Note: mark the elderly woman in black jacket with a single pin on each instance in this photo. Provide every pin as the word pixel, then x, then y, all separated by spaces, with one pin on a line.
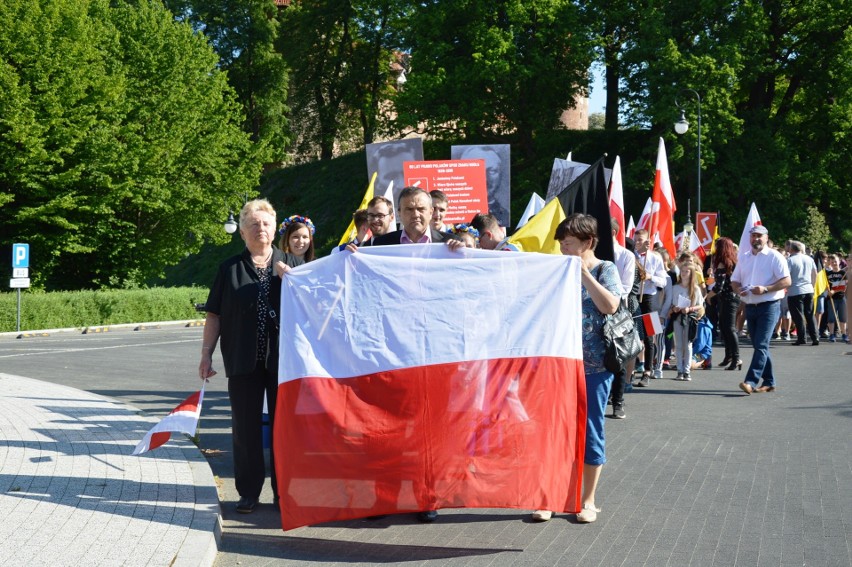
pixel 242 315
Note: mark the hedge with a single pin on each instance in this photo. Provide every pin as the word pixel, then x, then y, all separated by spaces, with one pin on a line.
pixel 61 309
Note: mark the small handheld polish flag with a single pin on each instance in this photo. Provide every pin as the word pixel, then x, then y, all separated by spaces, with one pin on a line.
pixel 182 419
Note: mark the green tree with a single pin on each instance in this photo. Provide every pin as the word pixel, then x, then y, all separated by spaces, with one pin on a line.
pixel 340 54
pixel 815 232
pixel 775 85
pixel 483 69
pixel 120 141
pixel 244 34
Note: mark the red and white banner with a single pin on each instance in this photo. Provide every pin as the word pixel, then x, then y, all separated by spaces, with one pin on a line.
pixel 182 419
pixel 662 224
pixel 417 378
pixel 616 200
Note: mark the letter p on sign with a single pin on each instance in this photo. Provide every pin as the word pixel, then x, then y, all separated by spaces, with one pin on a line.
pixel 20 255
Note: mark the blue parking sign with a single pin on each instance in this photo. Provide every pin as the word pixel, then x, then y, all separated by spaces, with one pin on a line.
pixel 20 255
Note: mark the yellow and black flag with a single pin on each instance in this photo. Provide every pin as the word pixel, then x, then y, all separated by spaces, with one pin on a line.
pixel 821 280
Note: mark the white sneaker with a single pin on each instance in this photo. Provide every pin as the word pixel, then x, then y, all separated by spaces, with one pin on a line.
pixel 687 377
pixel 588 514
pixel 542 515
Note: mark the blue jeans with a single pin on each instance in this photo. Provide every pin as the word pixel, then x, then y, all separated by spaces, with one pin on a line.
pixel 597 392
pixel 761 319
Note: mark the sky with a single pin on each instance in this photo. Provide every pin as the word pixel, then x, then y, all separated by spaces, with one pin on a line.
pixel 597 100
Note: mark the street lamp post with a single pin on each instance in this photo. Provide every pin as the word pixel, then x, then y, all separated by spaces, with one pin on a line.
pixel 681 126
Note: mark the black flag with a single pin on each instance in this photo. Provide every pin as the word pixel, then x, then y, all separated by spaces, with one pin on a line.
pixel 589 194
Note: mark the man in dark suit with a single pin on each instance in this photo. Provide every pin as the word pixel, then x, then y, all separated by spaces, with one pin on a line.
pixel 415 213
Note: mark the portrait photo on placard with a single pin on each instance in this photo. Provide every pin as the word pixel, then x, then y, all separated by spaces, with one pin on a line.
pixel 387 158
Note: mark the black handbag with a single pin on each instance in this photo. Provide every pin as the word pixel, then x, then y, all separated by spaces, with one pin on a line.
pixel 621 338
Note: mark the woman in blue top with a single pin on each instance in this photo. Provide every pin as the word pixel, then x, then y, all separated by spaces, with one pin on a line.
pixel 601 290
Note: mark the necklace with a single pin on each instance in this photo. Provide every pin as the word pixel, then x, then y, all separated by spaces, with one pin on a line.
pixel 265 262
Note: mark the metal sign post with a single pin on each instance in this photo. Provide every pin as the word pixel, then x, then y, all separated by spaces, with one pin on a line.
pixel 20 274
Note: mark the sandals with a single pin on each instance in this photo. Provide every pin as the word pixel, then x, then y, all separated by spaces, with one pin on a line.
pixel 542 515
pixel 588 514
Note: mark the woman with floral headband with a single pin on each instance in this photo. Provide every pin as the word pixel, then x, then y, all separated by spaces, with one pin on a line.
pixel 468 234
pixel 297 237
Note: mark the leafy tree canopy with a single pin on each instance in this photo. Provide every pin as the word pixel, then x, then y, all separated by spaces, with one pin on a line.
pixel 486 68
pixel 120 140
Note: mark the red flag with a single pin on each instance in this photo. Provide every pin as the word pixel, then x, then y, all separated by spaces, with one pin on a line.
pixel 631 227
pixel 616 200
pixel 182 419
pixel 662 225
pixel 388 403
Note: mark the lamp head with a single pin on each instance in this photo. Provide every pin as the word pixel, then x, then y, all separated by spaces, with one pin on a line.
pixel 230 224
pixel 688 226
pixel 681 126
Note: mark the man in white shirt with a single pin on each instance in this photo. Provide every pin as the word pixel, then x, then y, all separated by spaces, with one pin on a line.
pixel 655 279
pixel 760 278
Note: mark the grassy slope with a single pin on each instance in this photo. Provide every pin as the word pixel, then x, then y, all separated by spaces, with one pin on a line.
pixel 329 191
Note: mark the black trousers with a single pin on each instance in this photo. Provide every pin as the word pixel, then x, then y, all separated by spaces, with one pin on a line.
pixel 650 343
pixel 246 393
pixel 616 393
pixel 728 325
pixel 802 311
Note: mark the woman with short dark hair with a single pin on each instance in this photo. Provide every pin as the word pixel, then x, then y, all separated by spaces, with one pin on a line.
pixel 601 292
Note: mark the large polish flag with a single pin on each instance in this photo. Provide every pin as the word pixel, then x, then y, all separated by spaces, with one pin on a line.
pixel 616 200
pixel 662 223
pixel 417 378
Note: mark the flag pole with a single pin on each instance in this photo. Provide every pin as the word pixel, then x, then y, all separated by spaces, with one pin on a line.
pixel 830 299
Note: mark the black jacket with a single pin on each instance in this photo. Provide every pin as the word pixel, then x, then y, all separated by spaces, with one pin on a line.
pixel 234 298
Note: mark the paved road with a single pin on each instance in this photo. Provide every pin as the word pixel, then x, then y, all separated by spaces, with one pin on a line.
pixel 698 474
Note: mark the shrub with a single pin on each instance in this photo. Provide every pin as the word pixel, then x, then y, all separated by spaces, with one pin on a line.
pixel 55 310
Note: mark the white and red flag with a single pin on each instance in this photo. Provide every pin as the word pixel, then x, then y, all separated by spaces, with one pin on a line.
pixel 662 224
pixel 752 221
pixel 631 227
pixel 416 378
pixel 653 325
pixel 616 200
pixel 182 419
pixel 645 218
pixel 695 246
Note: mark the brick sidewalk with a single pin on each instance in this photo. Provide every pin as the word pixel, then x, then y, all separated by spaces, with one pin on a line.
pixel 71 494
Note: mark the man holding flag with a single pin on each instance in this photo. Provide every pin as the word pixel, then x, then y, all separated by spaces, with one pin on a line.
pixel 655 279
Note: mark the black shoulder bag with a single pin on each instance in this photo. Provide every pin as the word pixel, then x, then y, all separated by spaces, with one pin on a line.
pixel 619 336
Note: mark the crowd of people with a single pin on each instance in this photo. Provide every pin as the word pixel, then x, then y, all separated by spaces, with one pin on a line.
pixel 764 292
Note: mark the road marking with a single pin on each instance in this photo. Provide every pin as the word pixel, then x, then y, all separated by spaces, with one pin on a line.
pixel 61 350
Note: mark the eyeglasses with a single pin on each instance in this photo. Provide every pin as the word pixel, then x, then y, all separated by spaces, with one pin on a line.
pixel 377 216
